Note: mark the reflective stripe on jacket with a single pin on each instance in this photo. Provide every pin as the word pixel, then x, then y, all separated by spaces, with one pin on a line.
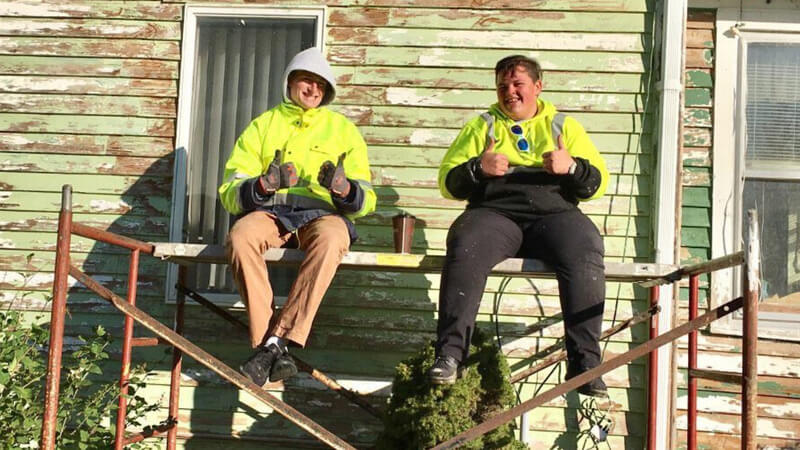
pixel 306 138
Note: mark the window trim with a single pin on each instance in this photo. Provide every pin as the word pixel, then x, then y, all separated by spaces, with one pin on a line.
pixel 728 169
pixel 181 173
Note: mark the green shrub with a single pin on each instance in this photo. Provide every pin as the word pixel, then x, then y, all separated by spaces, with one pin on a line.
pixel 87 407
pixel 421 415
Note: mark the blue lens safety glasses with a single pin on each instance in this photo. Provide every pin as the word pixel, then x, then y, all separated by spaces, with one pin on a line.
pixel 522 143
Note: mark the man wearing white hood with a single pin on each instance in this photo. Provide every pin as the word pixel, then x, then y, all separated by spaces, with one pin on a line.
pixel 297 176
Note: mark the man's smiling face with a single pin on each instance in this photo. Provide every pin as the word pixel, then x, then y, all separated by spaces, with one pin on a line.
pixel 517 93
pixel 306 89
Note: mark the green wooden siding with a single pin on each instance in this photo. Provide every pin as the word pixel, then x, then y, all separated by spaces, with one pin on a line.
pixel 719 404
pixel 89 94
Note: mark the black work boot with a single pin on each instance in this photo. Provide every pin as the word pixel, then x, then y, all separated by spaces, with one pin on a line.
pixel 444 370
pixel 594 388
pixel 282 368
pixel 257 368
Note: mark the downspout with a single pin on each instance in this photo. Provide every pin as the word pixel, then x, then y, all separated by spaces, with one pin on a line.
pixel 667 185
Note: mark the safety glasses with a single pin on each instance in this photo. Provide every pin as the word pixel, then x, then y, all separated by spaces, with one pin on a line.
pixel 522 143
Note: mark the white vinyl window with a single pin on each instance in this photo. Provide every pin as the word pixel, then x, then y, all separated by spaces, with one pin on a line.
pixel 764 171
pixel 232 70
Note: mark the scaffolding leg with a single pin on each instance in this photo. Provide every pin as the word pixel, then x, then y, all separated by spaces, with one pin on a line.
pixel 177 358
pixel 652 378
pixel 59 306
pixel 127 339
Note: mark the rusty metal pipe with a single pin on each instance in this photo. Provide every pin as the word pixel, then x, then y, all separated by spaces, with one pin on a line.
pixel 127 339
pixel 691 432
pixel 111 238
pixel 58 310
pixel 641 350
pixel 750 336
pixel 554 356
pixel 217 366
pixel 153 432
pixel 652 374
pixel 177 361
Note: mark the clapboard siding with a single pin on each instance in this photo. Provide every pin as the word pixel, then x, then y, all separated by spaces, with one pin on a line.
pixel 88 96
pixel 719 404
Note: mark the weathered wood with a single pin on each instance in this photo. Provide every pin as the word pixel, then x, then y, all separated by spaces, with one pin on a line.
pixel 142 146
pixel 630 62
pixel 82 104
pixel 730 424
pixel 444 78
pixel 146 10
pixel 70 27
pixel 24 84
pixel 697 117
pixel 700 18
pixel 44 123
pixel 85 203
pixel 187 253
pixel 699 38
pixel 699 78
pixel 104 67
pixel 473 19
pixel 555 5
pixel 91 164
pixel 124 224
pixel 471 98
pixel 527 40
pixel 696 156
pixel 95 47
pixel 103 184
pixel 699 58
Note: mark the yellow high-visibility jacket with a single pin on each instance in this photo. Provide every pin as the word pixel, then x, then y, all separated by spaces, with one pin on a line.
pixel 306 138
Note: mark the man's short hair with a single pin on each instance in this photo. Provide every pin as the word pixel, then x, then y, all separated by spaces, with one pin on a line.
pixel 509 63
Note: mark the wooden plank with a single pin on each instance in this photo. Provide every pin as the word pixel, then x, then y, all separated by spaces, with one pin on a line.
pixel 353 259
pixel 730 424
pixel 42 123
pixel 527 40
pixel 82 104
pixel 497 19
pixel 696 156
pixel 82 203
pixel 101 184
pixel 87 28
pixel 697 117
pixel 145 10
pixel 481 58
pixel 697 137
pixel 143 146
pixel 555 5
pixel 699 58
pixel 700 18
pixel 696 176
pixel 775 366
pixel 121 224
pixel 465 78
pixel 469 98
pixel 94 47
pixel 426 117
pixel 103 67
pixel 697 97
pixel 695 217
pixel 111 165
pixel 699 78
pixel 88 85
pixel 700 38
pixel 94 263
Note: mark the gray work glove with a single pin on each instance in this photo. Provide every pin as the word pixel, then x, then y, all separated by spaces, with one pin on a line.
pixel 278 176
pixel 333 177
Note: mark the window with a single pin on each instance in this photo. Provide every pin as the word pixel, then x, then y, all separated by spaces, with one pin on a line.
pixel 232 71
pixel 764 168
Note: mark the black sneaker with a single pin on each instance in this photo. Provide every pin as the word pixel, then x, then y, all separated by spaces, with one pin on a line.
pixel 282 368
pixel 444 370
pixel 594 388
pixel 257 367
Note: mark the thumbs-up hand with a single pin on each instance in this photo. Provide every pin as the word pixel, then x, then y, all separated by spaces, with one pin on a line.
pixel 493 164
pixel 333 177
pixel 558 161
pixel 277 176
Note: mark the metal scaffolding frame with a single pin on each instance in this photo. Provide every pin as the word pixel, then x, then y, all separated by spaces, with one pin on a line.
pixel 648 275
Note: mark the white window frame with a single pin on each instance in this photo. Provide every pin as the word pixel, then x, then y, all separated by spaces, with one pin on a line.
pixel 182 173
pixel 733 29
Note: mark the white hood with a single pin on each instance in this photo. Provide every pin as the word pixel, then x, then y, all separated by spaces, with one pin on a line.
pixel 311 60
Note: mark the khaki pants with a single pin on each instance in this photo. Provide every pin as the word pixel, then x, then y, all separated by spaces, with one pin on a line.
pixel 325 241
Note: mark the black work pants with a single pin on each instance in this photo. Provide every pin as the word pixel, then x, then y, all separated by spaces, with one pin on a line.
pixel 568 241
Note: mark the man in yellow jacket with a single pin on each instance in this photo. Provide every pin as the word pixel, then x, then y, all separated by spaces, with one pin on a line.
pixel 297 176
pixel 522 167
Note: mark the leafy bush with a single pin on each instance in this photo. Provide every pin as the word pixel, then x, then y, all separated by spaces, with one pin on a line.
pixel 87 408
pixel 421 415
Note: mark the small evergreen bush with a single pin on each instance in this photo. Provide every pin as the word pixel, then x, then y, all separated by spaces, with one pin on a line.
pixel 87 408
pixel 421 415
